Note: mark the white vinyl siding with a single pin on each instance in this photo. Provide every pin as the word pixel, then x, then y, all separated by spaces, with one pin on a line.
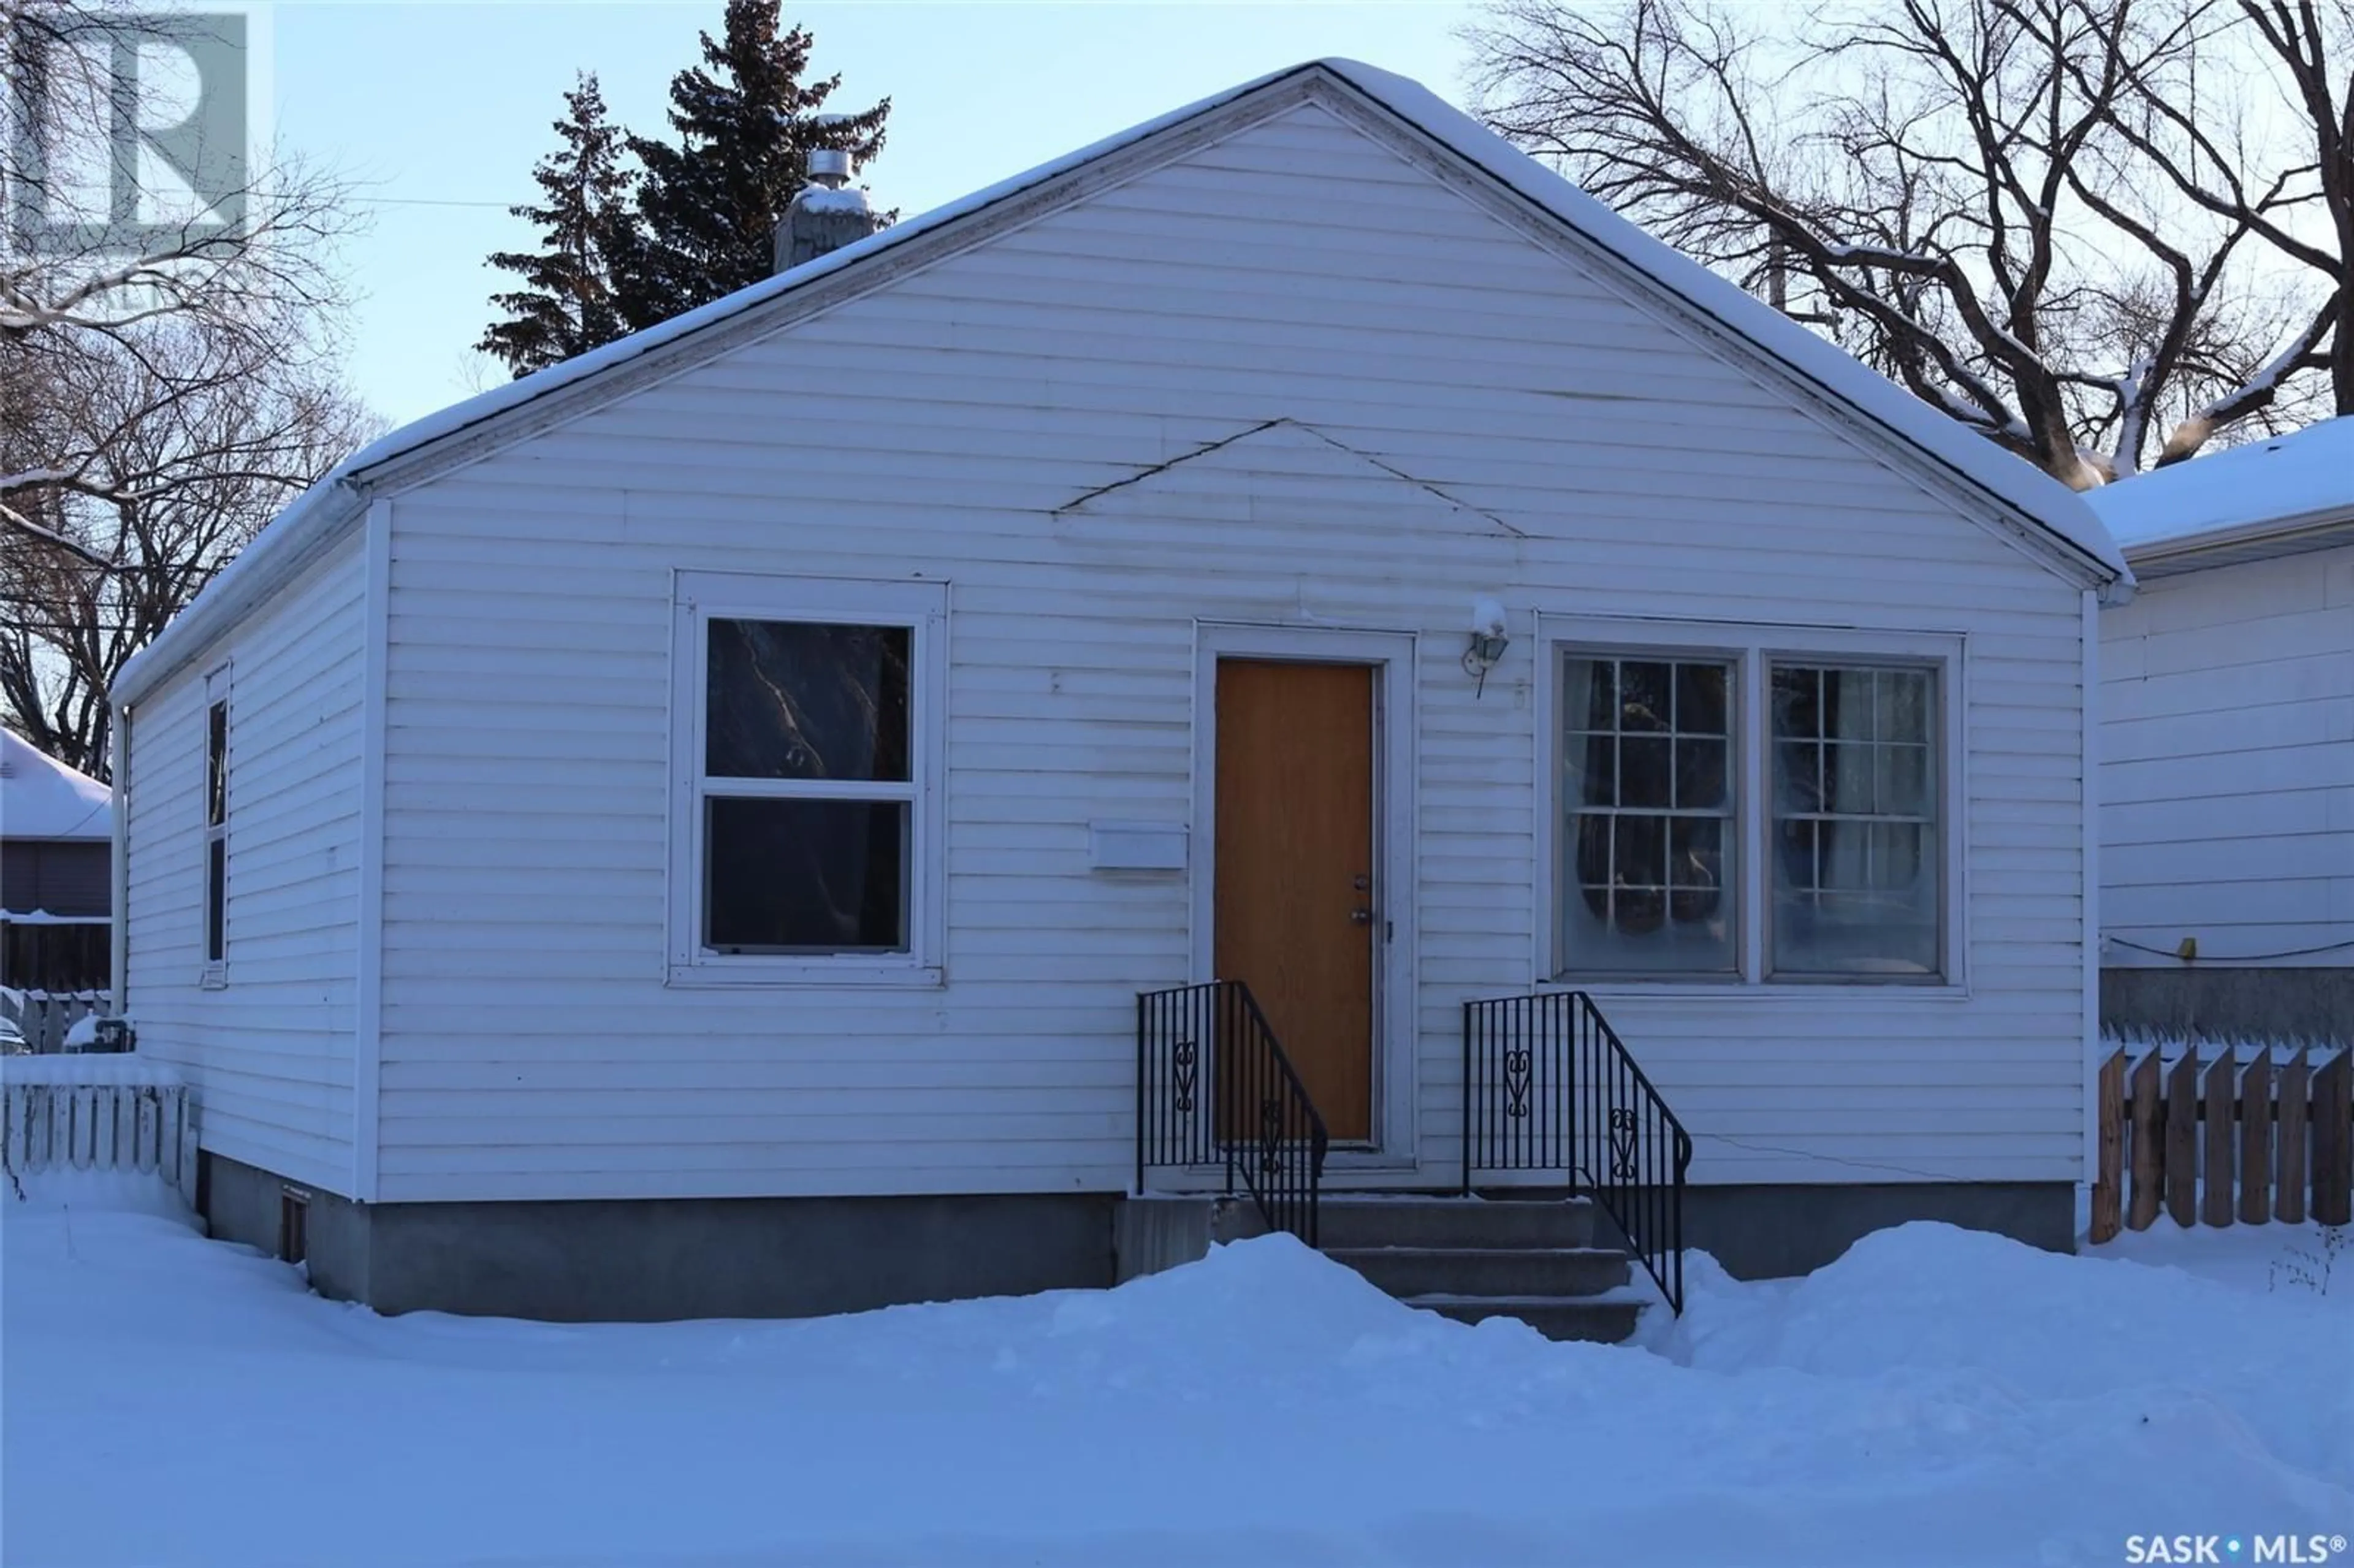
pixel 270 1052
pixel 1419 406
pixel 2227 763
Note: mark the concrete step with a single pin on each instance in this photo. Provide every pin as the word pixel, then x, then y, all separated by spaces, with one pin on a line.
pixel 1605 1320
pixel 1439 1222
pixel 1405 1271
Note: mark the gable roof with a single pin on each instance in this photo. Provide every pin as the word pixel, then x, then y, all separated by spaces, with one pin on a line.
pixel 41 797
pixel 310 523
pixel 2243 499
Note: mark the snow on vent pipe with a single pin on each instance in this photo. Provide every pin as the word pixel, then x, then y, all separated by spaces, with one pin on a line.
pixel 828 214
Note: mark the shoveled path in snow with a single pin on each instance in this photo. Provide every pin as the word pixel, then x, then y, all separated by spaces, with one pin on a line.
pixel 1934 1397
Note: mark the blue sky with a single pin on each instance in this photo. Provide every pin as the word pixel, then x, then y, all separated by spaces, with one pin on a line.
pixel 440 109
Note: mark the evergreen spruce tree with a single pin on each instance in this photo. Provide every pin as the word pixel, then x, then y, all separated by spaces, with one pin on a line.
pixel 708 205
pixel 567 305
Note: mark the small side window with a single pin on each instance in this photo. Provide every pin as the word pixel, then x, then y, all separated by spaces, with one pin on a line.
pixel 293 1225
pixel 217 829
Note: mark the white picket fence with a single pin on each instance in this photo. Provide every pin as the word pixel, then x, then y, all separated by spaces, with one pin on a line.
pixel 95 1113
pixel 43 1016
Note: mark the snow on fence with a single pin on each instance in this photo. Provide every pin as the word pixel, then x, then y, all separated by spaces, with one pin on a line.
pixel 2243 1137
pixel 43 1016
pixel 111 1113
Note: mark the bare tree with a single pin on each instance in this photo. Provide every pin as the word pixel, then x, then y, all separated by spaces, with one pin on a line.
pixel 167 349
pixel 177 455
pixel 1949 187
pixel 2292 182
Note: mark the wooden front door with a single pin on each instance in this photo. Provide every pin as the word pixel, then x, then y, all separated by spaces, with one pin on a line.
pixel 1296 916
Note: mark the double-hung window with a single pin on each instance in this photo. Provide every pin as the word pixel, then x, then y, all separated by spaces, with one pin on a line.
pixel 807 733
pixel 1734 809
pixel 1648 772
pixel 216 693
pixel 1857 882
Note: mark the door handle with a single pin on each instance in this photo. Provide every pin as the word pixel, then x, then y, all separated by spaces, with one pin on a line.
pixel 1361 917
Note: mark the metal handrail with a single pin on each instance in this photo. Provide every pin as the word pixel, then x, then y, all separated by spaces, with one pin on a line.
pixel 1215 1088
pixel 1548 1086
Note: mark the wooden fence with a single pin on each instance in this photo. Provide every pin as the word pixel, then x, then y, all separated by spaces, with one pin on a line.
pixel 122 1126
pixel 43 1016
pixel 2224 1143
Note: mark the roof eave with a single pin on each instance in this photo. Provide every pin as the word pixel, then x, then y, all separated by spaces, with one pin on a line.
pixel 2266 538
pixel 312 525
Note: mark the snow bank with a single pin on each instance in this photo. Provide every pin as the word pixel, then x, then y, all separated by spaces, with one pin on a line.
pixel 1934 1398
pixel 25 1193
pixel 2268 1259
pixel 1962 1313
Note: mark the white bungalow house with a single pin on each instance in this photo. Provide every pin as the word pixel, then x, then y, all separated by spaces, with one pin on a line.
pixel 2227 745
pixel 728 824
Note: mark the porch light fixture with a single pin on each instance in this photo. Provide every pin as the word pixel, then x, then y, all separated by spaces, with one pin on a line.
pixel 1488 640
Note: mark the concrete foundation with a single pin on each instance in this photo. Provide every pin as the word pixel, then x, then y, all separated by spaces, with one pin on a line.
pixel 595 1261
pixel 1768 1232
pixel 794 1258
pixel 2221 1004
pixel 1155 1232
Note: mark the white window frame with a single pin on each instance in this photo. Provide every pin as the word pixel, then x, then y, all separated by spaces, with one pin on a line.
pixel 697 599
pixel 1738 742
pixel 1753 650
pixel 214 973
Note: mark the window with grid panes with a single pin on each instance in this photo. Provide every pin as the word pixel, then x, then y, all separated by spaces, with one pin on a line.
pixel 1857 883
pixel 1648 785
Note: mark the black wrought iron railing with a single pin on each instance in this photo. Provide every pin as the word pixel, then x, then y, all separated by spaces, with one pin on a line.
pixel 1214 1090
pixel 1548 1086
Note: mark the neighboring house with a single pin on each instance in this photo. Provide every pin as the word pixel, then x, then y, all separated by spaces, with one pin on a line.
pixel 56 872
pixel 2227 745
pixel 688 831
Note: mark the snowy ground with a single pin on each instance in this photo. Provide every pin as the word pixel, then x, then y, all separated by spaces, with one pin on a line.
pixel 1934 1397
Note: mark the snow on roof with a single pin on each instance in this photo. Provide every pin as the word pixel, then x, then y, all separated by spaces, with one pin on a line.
pixel 41 797
pixel 2037 495
pixel 2293 479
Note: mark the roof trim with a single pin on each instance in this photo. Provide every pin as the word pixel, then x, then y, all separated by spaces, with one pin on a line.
pixel 2265 539
pixel 315 520
pixel 2269 490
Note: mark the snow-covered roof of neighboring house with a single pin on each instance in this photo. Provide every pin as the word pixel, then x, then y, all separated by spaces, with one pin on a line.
pixel 2248 501
pixel 301 530
pixel 41 797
